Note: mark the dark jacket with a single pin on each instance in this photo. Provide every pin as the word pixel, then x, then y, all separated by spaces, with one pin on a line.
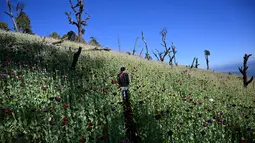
pixel 123 79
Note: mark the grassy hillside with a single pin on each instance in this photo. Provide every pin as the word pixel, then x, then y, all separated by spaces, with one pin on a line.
pixel 41 100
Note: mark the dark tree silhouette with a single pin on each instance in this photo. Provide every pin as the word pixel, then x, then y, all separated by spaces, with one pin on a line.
pixel 207 54
pixel 192 65
pixel 196 65
pixel 243 70
pixel 75 58
pixel 134 50
pixel 147 55
pixel 78 14
pixel 11 15
pixel 174 53
pixel 161 55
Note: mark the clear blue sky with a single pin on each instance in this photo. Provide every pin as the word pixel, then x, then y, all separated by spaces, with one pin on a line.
pixel 224 27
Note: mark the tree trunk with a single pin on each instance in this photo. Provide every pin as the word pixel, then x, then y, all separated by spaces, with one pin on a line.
pixel 192 65
pixel 207 62
pixel 11 16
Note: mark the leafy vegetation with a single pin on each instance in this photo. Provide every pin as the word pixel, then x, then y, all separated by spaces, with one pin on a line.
pixel 4 26
pixel 93 42
pixel 55 35
pixel 43 101
pixel 23 23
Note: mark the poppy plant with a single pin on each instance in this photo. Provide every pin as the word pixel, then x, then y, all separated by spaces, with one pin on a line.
pixel 22 84
pixel 19 77
pixel 44 88
pixel 57 98
pixel 90 124
pixel 66 105
pixel 82 140
pixel 99 123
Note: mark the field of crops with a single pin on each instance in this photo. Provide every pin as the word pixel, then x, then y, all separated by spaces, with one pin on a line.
pixel 41 100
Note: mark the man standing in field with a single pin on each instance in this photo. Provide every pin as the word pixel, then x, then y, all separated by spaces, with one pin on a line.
pixel 123 81
pixel 131 129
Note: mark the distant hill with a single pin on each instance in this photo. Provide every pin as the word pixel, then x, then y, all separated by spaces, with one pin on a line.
pixel 233 68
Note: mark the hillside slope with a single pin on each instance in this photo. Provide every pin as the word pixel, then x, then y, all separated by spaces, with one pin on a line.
pixel 193 104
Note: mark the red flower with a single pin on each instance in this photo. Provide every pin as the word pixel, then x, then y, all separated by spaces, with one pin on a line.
pixel 244 141
pixel 99 123
pixel 59 89
pixel 101 137
pixel 65 119
pixel 44 88
pixel 66 105
pixel 22 84
pixel 58 99
pixel 9 62
pixel 65 122
pixel 82 140
pixel 19 77
pixel 90 124
pixel 8 111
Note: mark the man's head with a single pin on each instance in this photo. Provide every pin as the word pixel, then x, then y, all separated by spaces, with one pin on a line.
pixel 122 68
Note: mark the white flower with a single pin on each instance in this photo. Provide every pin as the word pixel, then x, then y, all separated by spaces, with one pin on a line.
pixel 211 99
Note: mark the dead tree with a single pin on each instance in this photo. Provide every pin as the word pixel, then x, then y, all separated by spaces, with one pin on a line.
pixel 135 46
pixel 161 55
pixel 119 42
pixel 196 66
pixel 244 70
pixel 174 52
pixel 170 59
pixel 141 53
pixel 147 56
pixel 78 14
pixel 192 65
pixel 75 58
pixel 11 15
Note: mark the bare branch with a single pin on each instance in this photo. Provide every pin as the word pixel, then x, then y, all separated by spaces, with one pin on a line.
pixel 11 16
pixel 243 70
pixel 155 55
pixel 144 41
pixel 73 6
pixel 141 52
pixel 147 56
pixel 70 19
pixel 134 50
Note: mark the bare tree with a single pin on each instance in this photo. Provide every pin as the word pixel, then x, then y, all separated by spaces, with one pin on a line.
pixel 244 70
pixel 134 50
pixel 161 55
pixel 141 52
pixel 119 42
pixel 207 54
pixel 11 15
pixel 174 53
pixel 170 59
pixel 78 14
pixel 147 56
pixel 196 66
pixel 192 65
